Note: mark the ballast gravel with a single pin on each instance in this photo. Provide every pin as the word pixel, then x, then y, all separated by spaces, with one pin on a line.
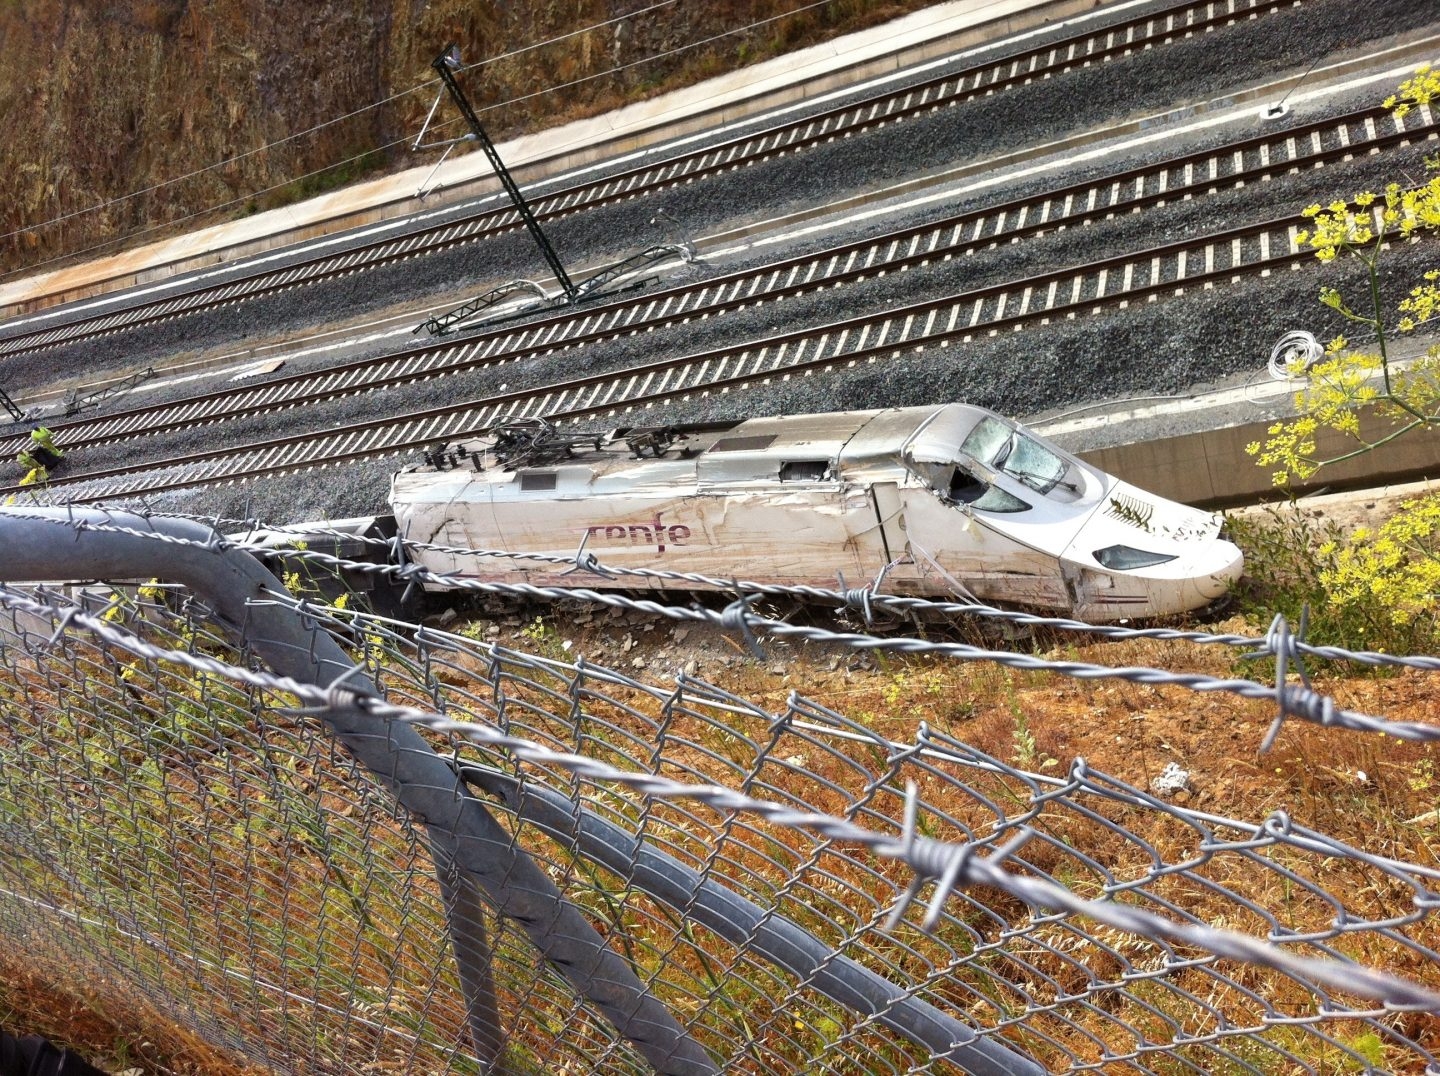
pixel 1203 337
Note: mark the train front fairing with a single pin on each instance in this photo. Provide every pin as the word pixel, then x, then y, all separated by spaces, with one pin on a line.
pixel 1116 551
pixel 946 500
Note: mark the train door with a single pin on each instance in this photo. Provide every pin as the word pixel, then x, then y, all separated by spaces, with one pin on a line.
pixel 889 519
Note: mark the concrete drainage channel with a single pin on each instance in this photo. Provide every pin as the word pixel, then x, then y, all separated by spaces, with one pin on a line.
pixel 1209 467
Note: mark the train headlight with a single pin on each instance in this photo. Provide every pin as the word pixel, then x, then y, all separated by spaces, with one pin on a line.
pixel 1124 558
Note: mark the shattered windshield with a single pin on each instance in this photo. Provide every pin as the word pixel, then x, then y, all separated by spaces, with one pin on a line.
pixel 1009 450
pixel 958 486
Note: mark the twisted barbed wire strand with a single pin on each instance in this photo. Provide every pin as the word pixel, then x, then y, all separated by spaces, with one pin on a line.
pixel 583 560
pixel 1292 700
pixel 950 865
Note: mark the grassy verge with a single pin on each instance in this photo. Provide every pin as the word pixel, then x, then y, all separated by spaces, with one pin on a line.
pixel 115 1033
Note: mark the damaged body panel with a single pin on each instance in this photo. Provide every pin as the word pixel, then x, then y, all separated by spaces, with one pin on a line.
pixel 946 500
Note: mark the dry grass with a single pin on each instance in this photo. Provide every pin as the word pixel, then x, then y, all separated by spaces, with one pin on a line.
pixel 100 1021
pixel 1373 792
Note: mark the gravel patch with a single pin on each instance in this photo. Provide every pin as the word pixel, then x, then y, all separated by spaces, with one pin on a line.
pixel 1173 346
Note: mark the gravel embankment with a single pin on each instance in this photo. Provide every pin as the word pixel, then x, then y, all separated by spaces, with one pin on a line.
pixel 1169 347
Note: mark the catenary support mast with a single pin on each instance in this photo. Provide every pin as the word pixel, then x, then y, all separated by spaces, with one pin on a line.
pixel 445 65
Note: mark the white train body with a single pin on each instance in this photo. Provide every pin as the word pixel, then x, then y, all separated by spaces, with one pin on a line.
pixel 949 500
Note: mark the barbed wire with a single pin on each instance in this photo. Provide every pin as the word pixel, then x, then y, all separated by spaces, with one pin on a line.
pixel 854 598
pixel 1292 700
pixel 946 865
pixel 926 744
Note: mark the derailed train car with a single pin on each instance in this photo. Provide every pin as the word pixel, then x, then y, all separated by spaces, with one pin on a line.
pixel 947 500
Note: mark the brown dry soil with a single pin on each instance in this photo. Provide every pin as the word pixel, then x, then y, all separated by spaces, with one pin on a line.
pixel 1128 730
pixel 1373 791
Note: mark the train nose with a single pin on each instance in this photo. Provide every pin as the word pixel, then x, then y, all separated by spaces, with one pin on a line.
pixel 1215 573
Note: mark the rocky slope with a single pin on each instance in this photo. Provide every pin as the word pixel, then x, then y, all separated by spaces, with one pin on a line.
pixel 108 104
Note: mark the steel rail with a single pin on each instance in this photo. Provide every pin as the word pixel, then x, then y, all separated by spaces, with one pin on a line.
pixel 1048 61
pixel 1126 279
pixel 1131 190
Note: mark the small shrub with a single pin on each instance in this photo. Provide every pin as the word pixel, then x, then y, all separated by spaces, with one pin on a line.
pixel 1396 565
pixel 1380 589
pixel 543 640
pixel 1296 563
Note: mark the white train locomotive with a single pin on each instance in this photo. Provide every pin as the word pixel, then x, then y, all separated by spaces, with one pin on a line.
pixel 949 500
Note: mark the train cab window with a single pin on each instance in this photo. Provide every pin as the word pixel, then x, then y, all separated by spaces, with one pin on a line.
pixel 1022 458
pixel 804 470
pixel 958 486
pixel 537 482
pixel 995 499
pixel 965 487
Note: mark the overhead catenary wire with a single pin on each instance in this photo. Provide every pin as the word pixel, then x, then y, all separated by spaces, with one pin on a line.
pixel 428 84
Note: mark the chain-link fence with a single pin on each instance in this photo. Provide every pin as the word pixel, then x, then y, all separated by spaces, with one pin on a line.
pixel 332 842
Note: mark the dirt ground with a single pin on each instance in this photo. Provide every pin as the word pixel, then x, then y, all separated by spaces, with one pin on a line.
pixel 1128 730
pixel 1361 507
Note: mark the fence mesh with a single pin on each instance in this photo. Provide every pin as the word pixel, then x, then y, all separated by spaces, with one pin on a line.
pixel 189 834
pixel 176 835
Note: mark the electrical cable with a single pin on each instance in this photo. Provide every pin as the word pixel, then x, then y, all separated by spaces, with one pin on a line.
pixel 1293 353
pixel 389 100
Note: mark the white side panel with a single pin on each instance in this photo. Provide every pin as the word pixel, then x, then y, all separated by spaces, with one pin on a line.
pixel 803 536
pixel 948 540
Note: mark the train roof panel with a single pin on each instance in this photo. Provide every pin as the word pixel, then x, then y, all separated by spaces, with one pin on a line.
pixel 881 438
pixel 939 437
pixel 756 450
pixel 811 437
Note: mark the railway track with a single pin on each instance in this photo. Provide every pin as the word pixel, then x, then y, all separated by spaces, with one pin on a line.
pixel 1247 161
pixel 619 396
pixel 1147 31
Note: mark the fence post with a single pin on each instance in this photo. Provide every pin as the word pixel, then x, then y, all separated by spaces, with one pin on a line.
pixel 73 543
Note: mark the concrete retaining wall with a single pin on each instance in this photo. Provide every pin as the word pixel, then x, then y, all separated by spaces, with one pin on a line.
pixel 1211 468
